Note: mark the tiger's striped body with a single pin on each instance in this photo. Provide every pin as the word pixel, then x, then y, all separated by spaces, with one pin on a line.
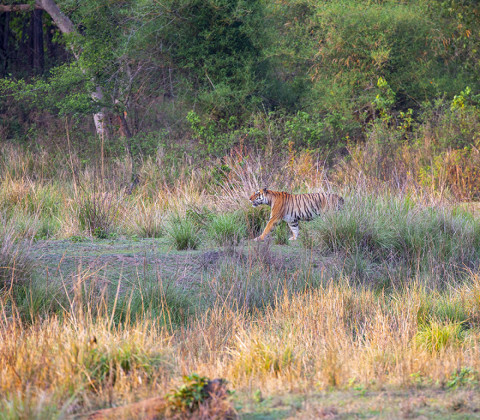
pixel 293 207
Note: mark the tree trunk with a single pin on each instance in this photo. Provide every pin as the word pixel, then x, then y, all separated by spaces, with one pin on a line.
pixel 66 26
pixel 51 47
pixel 99 117
pixel 38 54
pixel 63 22
pixel 4 53
pixel 29 41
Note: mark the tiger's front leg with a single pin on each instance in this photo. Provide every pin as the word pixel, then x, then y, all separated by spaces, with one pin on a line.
pixel 271 223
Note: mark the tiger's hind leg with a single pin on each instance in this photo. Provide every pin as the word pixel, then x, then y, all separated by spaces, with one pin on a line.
pixel 294 228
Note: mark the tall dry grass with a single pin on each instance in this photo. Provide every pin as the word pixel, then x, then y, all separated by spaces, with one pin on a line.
pixel 333 336
pixel 257 320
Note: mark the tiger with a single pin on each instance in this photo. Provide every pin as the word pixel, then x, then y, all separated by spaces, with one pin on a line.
pixel 293 207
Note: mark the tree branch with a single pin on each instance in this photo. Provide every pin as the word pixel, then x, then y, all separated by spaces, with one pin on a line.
pixel 63 22
pixel 18 7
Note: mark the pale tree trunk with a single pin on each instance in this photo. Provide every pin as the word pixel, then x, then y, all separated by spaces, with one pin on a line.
pixel 99 117
pixel 66 26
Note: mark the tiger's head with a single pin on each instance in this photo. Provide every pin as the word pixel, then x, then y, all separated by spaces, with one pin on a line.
pixel 259 197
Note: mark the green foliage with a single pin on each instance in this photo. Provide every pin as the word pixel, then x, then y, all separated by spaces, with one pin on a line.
pixel 385 99
pixel 466 376
pixel 66 92
pixel 251 73
pixel 347 47
pixel 217 44
pixel 191 394
pixel 210 136
pixel 183 233
pixel 304 130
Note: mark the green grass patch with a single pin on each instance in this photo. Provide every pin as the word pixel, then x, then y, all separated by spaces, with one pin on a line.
pixel 436 336
pixel 227 229
pixel 183 233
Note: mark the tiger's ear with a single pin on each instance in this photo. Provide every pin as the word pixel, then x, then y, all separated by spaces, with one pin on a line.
pixel 265 190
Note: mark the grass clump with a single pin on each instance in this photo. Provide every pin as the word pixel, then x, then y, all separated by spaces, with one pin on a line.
pixel 183 233
pixel 16 265
pixel 161 300
pixel 227 229
pixel 436 336
pixel 97 213
pixel 149 220
pixel 103 364
pixel 281 234
pixel 256 219
pixel 255 355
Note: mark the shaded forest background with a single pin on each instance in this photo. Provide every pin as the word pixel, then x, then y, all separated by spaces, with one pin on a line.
pixel 191 78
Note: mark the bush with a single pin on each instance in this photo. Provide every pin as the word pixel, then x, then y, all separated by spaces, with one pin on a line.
pixel 227 229
pixel 200 393
pixel 183 233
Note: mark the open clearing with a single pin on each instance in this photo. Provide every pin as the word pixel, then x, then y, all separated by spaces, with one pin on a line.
pixel 123 264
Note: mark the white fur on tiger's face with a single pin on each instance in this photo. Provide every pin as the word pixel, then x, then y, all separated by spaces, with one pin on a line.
pixel 259 197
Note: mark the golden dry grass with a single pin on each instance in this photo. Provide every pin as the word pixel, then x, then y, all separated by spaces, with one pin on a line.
pixel 334 337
